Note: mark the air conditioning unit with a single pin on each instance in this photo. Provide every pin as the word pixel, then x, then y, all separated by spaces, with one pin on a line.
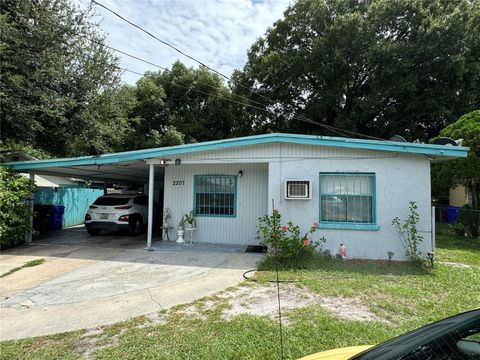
pixel 298 189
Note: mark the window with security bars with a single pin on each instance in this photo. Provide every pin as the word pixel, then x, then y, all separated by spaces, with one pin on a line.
pixel 347 198
pixel 215 195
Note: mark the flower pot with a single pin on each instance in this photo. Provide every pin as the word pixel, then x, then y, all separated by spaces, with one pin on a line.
pixel 180 238
pixel 189 226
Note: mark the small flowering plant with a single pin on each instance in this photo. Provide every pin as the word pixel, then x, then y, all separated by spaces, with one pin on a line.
pixel 287 240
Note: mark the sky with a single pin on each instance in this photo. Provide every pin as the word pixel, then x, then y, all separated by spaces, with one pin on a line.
pixel 217 32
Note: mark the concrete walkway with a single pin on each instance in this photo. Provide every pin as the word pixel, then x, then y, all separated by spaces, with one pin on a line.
pixel 90 281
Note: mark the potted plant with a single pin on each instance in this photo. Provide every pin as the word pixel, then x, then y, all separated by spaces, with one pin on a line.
pixel 166 217
pixel 190 220
pixel 180 230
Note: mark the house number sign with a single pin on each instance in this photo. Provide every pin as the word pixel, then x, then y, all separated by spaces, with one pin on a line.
pixel 178 182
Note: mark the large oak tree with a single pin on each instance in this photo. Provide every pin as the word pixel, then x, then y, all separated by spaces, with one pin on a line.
pixel 377 67
pixel 56 79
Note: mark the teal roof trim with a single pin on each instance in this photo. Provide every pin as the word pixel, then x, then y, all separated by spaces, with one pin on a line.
pixel 414 148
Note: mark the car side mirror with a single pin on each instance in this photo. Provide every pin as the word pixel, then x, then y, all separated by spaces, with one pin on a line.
pixel 468 348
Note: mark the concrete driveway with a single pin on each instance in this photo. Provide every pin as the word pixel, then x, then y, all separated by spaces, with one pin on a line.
pixel 89 281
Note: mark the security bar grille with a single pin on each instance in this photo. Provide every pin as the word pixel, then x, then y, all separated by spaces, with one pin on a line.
pixel 347 198
pixel 215 195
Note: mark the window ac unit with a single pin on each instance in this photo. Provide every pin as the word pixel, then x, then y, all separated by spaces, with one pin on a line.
pixel 298 189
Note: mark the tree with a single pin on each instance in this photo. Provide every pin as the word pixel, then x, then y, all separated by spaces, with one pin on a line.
pixel 56 77
pixel 466 171
pixel 177 106
pixel 376 67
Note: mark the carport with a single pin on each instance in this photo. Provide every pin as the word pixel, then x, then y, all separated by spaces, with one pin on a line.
pixel 133 167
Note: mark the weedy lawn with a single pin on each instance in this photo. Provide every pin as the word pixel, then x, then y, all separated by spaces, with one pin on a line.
pixel 396 298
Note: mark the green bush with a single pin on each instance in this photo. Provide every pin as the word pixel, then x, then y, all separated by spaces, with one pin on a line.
pixel 286 241
pixel 15 211
pixel 469 220
pixel 408 233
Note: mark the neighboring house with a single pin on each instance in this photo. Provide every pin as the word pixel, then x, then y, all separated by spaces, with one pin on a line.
pixel 353 188
pixel 58 190
pixel 459 196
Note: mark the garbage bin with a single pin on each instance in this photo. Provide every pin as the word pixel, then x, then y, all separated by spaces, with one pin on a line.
pixel 41 219
pixel 56 219
pixel 452 214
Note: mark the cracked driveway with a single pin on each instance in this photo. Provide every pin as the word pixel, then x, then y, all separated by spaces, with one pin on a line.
pixel 90 281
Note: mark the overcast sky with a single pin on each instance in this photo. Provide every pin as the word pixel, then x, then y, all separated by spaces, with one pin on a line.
pixel 217 32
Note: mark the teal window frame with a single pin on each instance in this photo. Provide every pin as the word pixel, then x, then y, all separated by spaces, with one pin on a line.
pixel 234 177
pixel 349 225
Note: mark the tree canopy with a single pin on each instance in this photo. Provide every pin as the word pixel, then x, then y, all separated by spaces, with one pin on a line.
pixel 464 172
pixel 56 76
pixel 376 67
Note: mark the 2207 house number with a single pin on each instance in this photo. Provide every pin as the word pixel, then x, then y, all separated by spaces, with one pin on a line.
pixel 178 182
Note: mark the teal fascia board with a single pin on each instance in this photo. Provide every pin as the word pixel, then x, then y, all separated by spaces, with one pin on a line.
pixel 348 226
pixel 413 148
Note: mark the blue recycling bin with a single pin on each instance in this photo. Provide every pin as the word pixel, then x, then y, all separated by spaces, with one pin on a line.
pixel 452 214
pixel 56 219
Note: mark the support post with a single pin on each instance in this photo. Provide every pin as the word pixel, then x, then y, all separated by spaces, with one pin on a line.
pixel 433 240
pixel 151 182
pixel 28 235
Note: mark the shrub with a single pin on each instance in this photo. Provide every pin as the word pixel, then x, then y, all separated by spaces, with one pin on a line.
pixel 15 212
pixel 408 233
pixel 286 240
pixel 469 220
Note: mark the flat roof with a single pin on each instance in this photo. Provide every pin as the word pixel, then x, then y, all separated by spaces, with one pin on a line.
pixel 108 166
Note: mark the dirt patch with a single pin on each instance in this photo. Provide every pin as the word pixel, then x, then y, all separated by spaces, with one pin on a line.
pixel 95 339
pixel 262 300
pixel 192 311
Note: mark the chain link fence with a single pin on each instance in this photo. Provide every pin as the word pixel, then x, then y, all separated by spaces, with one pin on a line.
pixel 463 220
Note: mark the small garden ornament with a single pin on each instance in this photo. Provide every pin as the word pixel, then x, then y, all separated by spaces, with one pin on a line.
pixel 342 252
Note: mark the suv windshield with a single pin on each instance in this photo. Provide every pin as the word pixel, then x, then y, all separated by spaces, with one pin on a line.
pixel 111 201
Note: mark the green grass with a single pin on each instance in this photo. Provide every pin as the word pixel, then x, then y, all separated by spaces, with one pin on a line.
pixel 405 296
pixel 27 264
pixel 454 248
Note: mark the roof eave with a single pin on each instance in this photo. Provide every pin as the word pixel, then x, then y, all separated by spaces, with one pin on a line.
pixel 412 148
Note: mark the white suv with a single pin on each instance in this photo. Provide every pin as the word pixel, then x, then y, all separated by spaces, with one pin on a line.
pixel 118 212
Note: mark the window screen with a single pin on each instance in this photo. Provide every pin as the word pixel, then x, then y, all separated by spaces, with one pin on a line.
pixel 347 198
pixel 215 195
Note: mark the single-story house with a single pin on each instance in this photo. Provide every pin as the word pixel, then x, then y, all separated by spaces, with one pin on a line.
pixel 352 188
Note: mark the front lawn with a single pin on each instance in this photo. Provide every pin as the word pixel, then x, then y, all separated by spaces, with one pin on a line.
pixel 329 304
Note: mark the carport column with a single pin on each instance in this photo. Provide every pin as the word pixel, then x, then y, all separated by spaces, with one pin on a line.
pixel 151 181
pixel 28 235
pixel 151 184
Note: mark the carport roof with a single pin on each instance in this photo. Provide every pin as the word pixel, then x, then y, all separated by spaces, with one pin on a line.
pixel 136 157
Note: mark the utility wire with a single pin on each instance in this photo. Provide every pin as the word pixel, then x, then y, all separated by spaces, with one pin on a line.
pixel 297 117
pixel 160 67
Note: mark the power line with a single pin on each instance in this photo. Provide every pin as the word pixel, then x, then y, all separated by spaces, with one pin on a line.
pixel 160 67
pixel 294 116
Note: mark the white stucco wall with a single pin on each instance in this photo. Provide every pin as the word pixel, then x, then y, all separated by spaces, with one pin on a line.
pixel 399 179
pixel 251 201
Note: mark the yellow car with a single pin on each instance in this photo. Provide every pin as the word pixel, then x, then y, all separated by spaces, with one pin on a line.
pixel 453 338
pixel 338 354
